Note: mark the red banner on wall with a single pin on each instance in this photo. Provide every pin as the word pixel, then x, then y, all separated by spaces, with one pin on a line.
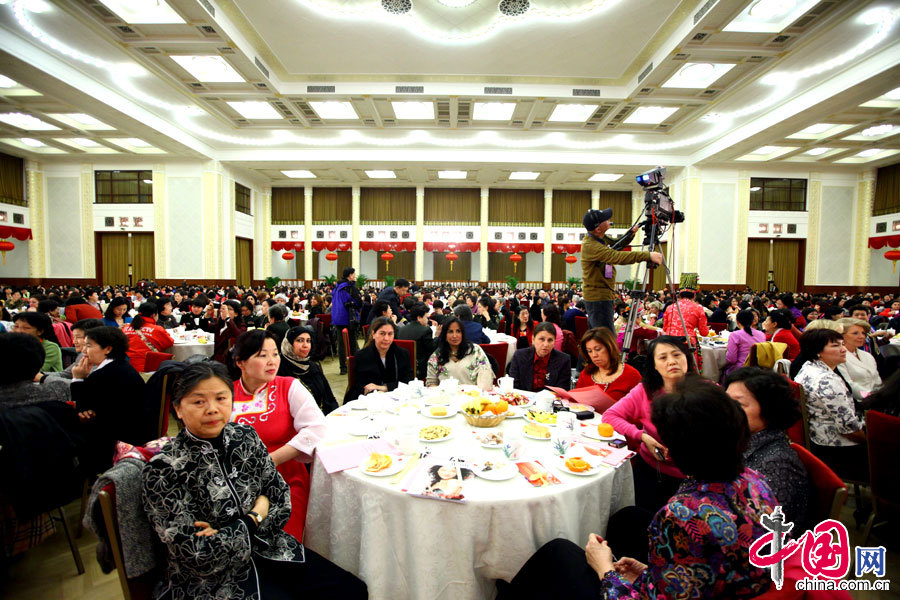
pixel 19 233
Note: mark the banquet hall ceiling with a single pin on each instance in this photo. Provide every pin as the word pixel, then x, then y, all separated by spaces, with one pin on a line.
pixel 563 88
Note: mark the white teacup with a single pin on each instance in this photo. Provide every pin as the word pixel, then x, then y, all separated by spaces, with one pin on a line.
pixel 506 384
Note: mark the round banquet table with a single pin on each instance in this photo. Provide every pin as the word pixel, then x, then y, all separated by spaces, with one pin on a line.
pixel 713 361
pixel 892 348
pixel 502 338
pixel 406 547
pixel 182 350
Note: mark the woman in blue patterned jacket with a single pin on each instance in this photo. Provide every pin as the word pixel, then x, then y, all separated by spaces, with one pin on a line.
pixel 218 505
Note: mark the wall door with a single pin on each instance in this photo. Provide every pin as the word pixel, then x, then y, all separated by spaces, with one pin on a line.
pixel 243 261
pixel 116 251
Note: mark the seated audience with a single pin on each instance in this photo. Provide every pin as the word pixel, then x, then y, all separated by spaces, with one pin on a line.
pixel 296 349
pixel 380 365
pixel 109 396
pixel 117 313
pixel 542 365
pixel 228 328
pixel 418 330
pixel 573 311
pixel 77 309
pixel 487 316
pixel 778 329
pixel 166 319
pixel 22 355
pixel 61 328
pixel 195 319
pixel 699 542
pixel 248 317
pixel 836 433
pixel 457 357
pixel 522 328
pixel 604 366
pixel 772 408
pixel 39 326
pixel 277 325
pixel 223 536
pixel 741 341
pixel 78 331
pixel 144 336
pixel 860 369
pixel 474 332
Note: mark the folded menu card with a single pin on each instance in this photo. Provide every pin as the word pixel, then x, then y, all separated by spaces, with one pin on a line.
pixel 343 456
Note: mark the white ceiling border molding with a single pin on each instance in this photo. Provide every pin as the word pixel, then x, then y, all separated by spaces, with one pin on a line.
pixel 53 66
pixel 884 64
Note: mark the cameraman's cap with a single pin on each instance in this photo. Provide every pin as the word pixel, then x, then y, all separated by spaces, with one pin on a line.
pixel 593 218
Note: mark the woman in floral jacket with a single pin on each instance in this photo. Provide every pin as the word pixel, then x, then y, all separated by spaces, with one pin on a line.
pixel 218 504
pixel 459 358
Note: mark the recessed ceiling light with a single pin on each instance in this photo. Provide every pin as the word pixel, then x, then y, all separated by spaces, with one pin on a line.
pixel 6 82
pixel 493 111
pixel 334 110
pixel 572 113
pixel 33 142
pixel 769 16
pixel 650 114
pixel 299 174
pixel 136 142
pixel 255 110
pixel 697 75
pixel 86 142
pixel 26 122
pixel 376 174
pixel 765 150
pixel 414 110
pixel 452 174
pixel 605 177
pixel 817 151
pixel 894 94
pixel 143 11
pixel 524 175
pixel 81 121
pixel 211 69
pixel 876 130
pixel 818 128
pixel 869 152
pixel 769 9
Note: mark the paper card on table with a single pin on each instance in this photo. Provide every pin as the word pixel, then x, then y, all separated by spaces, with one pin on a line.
pixel 535 473
pixel 613 457
pixel 346 456
pixel 441 480
pixel 592 396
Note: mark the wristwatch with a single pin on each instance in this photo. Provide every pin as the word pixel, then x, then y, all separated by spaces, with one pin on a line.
pixel 255 516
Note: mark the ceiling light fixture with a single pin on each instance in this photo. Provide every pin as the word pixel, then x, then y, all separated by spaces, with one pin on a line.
pixel 143 11
pixel 26 122
pixel 769 16
pixel 572 113
pixel 378 174
pixel 80 121
pixel 524 175
pixel 869 152
pixel 765 150
pixel 877 130
pixel 255 110
pixel 755 188
pixel 334 110
pixel 818 128
pixel 86 142
pixel 299 174
pixel 209 69
pixel 414 110
pixel 6 82
pixel 769 9
pixel 894 94
pixel 33 142
pixel 135 142
pixel 605 177
pixel 650 115
pixel 817 151
pixel 452 174
pixel 493 111
pixel 697 75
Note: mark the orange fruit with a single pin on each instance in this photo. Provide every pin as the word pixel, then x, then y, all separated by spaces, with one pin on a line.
pixel 605 430
pixel 577 464
pixel 503 406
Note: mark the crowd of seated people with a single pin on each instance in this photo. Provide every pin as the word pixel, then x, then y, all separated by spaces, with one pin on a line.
pixel 661 411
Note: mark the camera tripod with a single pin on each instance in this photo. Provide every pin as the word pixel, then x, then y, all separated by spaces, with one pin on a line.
pixel 652 230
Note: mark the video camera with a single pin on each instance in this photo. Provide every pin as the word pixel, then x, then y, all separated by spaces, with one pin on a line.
pixel 657 202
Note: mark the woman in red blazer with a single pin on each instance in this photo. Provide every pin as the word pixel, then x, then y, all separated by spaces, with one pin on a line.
pixel 778 329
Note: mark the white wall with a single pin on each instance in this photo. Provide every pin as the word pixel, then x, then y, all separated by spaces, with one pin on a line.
pixel 184 232
pixel 532 267
pixel 882 270
pixel 476 267
pixel 429 266
pixel 16 260
pixel 283 268
pixel 718 224
pixel 64 235
pixel 368 263
pixel 836 228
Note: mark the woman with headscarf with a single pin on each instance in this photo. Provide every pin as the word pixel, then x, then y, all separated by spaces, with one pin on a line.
pixel 296 348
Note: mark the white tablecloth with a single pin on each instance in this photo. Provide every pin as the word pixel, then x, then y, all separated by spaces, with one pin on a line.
pixel 497 338
pixel 405 547
pixel 713 361
pixel 182 350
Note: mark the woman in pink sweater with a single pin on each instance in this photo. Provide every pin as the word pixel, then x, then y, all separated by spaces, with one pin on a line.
pixel 656 478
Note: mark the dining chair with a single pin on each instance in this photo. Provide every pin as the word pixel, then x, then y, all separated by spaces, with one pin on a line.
pixel 499 352
pixel 136 588
pixel 718 327
pixel 799 431
pixel 409 346
pixel 581 327
pixel 345 336
pixel 154 359
pixel 829 491
pixel 883 433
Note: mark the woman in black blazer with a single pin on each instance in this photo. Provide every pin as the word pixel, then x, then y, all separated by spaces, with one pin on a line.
pixel 556 364
pixel 380 365
pixel 109 396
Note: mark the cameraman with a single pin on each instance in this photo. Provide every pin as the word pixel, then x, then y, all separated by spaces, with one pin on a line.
pixel 597 260
pixel 345 302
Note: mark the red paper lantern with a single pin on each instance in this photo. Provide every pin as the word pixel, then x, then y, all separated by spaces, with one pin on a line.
pixel 6 247
pixel 387 257
pixel 571 259
pixel 288 256
pixel 452 257
pixel 892 255
pixel 515 259
pixel 331 256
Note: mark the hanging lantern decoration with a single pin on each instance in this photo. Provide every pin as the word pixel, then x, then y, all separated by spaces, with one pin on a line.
pixel 387 257
pixel 331 257
pixel 571 260
pixel 892 255
pixel 515 259
pixel 6 247
pixel 288 256
pixel 451 257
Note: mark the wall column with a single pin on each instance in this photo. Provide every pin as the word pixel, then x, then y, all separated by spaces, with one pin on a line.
pixel 689 241
pixel 548 234
pixel 354 229
pixel 37 247
pixel 420 233
pixel 264 230
pixel 595 199
pixel 742 232
pixel 483 255
pixel 814 210
pixel 160 218
pixel 307 233
pixel 212 231
pixel 865 196
pixel 88 260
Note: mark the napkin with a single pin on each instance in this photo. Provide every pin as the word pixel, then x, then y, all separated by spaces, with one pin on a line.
pixel 347 456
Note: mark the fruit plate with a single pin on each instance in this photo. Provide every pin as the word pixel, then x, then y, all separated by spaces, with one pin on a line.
pixel 397 463
pixel 517 398
pixel 515 412
pixel 534 437
pixel 590 431
pixel 495 470
pixel 560 463
pixel 490 439
pixel 446 437
pixel 529 417
pixel 451 412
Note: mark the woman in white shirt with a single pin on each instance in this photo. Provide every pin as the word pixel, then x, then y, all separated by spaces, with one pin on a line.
pixel 860 369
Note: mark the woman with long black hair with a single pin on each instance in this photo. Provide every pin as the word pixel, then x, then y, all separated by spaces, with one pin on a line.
pixel 459 358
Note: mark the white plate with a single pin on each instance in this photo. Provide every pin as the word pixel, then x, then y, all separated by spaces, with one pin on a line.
pixel 397 463
pixel 528 395
pixel 437 400
pixel 533 437
pixel 507 470
pixel 529 419
pixel 591 432
pixel 365 426
pixel 359 404
pixel 397 406
pixel 515 412
pixel 443 439
pixel 479 438
pixel 451 412
pixel 560 463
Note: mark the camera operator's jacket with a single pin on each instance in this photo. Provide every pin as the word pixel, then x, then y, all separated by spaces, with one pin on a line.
pixel 595 255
